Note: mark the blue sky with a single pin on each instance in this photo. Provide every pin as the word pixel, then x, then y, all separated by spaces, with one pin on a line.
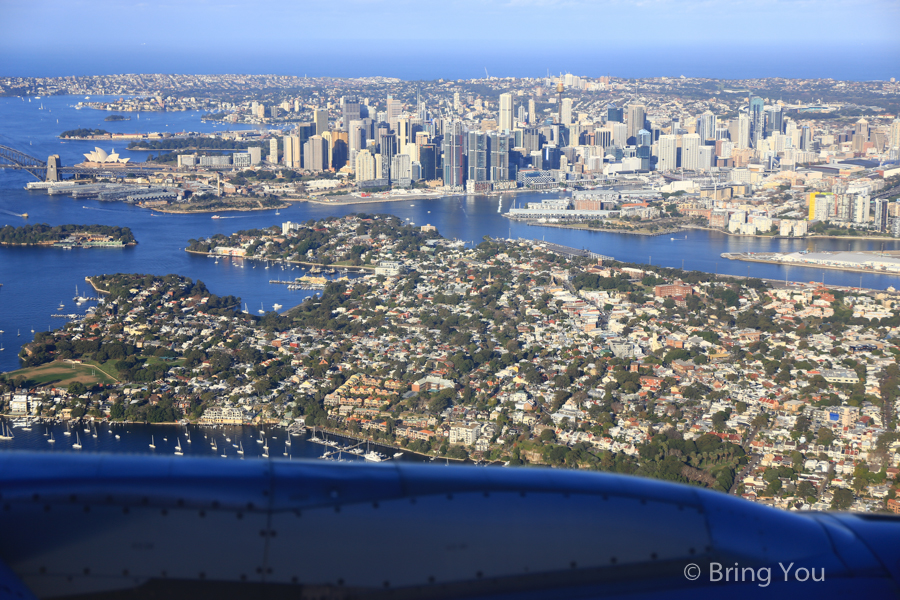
pixel 454 38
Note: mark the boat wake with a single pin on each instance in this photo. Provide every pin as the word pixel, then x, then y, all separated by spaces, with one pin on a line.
pixel 9 212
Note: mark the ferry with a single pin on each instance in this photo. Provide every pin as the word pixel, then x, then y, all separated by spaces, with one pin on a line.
pixel 216 217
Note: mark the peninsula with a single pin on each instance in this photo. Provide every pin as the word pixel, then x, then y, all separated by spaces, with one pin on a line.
pixel 67 236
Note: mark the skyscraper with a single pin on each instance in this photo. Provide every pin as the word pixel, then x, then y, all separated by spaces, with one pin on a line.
pixel 532 112
pixel 428 160
pixel 620 134
pixel 320 118
pixel 499 147
pixel 895 134
pixel 505 123
pixel 349 111
pixel 690 152
pixel 365 166
pixel 635 123
pixel 387 147
pixel 757 120
pixel 774 120
pixel 477 156
pixel 273 151
pixel 668 153
pixel 566 112
pixel 706 126
pixel 743 138
pixel 315 154
pixel 392 113
pixel 454 163
pixel 614 114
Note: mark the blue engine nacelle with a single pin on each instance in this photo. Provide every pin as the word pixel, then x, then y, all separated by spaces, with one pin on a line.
pixel 110 526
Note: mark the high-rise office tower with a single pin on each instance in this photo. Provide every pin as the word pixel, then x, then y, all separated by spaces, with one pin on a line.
pixel 365 166
pixel 806 138
pixel 392 112
pixel 315 154
pixel 603 137
pixel 757 120
pixel 403 129
pixel 387 147
pixel 706 126
pixel 477 156
pixel 505 123
pixel 668 153
pixel 894 141
pixel 635 123
pixel 532 112
pixel 707 157
pixel 289 156
pixel 356 139
pixel 320 118
pixel 457 104
pixel 743 131
pixel 861 209
pixel 349 111
pixel 531 139
pixel 521 114
pixel 881 214
pixel 614 114
pixel 273 151
pixel 401 167
pixel 690 152
pixel 774 120
pixel 620 134
pixel 428 161
pixel 454 159
pixel 566 112
pixel 644 138
pixel 499 147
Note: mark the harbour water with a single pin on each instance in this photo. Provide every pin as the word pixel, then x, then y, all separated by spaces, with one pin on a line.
pixel 37 280
pixel 136 438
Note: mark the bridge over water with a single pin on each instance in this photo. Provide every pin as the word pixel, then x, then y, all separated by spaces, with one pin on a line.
pixel 52 169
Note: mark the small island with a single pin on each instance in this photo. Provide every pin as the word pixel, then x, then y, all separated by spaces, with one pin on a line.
pixel 114 118
pixel 84 133
pixel 67 236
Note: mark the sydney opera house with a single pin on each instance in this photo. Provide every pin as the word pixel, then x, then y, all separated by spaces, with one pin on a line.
pixel 97 155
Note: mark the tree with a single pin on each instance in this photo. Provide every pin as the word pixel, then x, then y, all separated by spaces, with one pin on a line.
pixel 842 499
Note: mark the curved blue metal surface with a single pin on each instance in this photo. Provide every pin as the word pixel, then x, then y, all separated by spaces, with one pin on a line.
pixel 93 526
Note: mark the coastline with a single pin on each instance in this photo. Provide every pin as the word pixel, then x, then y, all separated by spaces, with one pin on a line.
pixel 359 268
pixel 805 237
pixel 213 210
pixel 808 266
pixel 564 226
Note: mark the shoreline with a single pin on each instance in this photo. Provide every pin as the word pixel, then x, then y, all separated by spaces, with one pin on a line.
pixel 805 237
pixel 810 266
pixel 213 210
pixel 564 226
pixel 360 268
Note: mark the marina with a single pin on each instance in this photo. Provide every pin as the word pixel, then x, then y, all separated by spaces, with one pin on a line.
pixel 235 442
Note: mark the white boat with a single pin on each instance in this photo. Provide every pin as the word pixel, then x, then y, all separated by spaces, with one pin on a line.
pixel 262 309
pixel 117 437
pixel 5 432
pixel 51 440
pixel 276 306
pixel 241 449
pixel 94 432
pixel 188 437
pixel 260 440
pixel 77 444
pixel 67 431
pixel 398 454
pixel 152 442
pixel 178 451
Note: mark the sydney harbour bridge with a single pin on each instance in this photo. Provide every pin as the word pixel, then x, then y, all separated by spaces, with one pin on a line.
pixel 52 169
